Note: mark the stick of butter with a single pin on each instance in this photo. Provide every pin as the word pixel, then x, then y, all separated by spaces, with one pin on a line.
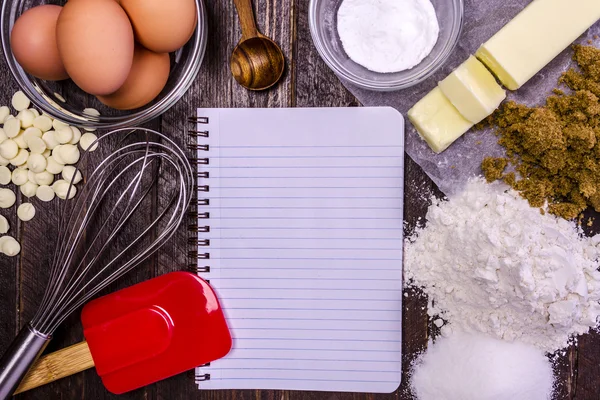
pixel 438 121
pixel 473 90
pixel 535 37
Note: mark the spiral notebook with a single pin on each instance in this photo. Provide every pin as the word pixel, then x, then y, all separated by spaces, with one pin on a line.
pixel 299 231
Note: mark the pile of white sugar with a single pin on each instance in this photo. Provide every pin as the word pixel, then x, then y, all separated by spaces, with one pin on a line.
pixel 492 264
pixel 478 367
pixel 387 35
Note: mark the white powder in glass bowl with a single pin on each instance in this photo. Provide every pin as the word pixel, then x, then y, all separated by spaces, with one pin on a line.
pixel 387 35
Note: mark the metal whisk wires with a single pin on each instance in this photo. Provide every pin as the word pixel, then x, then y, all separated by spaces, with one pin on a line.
pixel 115 201
pixel 130 204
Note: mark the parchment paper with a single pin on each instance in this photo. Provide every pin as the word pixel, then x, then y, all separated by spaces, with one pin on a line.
pixel 462 160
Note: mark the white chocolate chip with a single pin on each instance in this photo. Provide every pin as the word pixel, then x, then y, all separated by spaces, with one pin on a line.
pixel 7 198
pixel 56 155
pixel 4 226
pixel 44 178
pixel 3 161
pixel 20 159
pixel 68 173
pixel 69 153
pixel 12 127
pixel 53 167
pixel 62 187
pixel 5 176
pixel 36 145
pixel 43 123
pixel 3 135
pixel 37 163
pixel 4 112
pixel 29 189
pixel 45 193
pixel 26 212
pixel 9 149
pixel 35 113
pixel 50 140
pixel 20 141
pixel 76 135
pixel 86 141
pixel 47 153
pixel 31 132
pixel 20 102
pixel 9 246
pixel 31 177
pixel 93 113
pixel 26 118
pixel 63 135
pixel 56 124
pixel 20 176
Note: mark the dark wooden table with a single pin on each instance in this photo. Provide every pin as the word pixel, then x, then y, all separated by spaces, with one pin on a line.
pixel 307 83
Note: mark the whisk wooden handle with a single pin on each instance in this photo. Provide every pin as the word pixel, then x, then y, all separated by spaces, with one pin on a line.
pixel 57 365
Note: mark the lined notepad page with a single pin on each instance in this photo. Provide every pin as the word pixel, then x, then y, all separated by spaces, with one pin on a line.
pixel 305 246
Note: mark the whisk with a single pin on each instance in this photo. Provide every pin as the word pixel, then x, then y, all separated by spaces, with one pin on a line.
pixel 108 228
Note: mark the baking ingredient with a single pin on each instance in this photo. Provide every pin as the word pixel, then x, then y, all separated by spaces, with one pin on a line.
pixel 491 263
pixel 70 172
pixel 147 78
pixel 26 212
pixel 9 246
pixel 88 142
pixel 479 367
pixel 43 123
pixel 20 176
pixel 438 122
pixel 36 163
pixel 12 127
pixel 555 148
pixel 4 226
pixel 63 189
pixel 162 26
pixel 535 37
pixel 9 149
pixel 387 35
pixel 33 43
pixel 93 113
pixel 29 189
pixel 21 158
pixel 69 153
pixel 473 90
pixel 4 113
pixel 7 198
pixel 5 175
pixel 45 193
pixel 95 43
pixel 19 101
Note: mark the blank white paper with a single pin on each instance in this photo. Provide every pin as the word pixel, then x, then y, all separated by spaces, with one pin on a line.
pixel 306 246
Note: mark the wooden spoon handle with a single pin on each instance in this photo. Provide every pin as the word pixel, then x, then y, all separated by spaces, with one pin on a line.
pixel 246 15
pixel 57 365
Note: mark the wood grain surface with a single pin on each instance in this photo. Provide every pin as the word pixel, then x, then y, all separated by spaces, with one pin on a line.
pixel 307 82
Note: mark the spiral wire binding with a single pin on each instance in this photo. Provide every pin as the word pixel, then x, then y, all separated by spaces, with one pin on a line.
pixel 197 218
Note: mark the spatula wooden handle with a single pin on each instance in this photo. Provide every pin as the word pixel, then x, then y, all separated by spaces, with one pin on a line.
pixel 57 365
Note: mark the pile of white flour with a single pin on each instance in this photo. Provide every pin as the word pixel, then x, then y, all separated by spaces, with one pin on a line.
pixel 490 263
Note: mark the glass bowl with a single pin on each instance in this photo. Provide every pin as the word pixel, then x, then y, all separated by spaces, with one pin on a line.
pixel 63 100
pixel 323 28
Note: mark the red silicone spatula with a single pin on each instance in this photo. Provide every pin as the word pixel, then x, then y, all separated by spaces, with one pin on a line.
pixel 142 334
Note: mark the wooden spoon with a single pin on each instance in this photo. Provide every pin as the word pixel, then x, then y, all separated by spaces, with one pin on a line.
pixel 257 62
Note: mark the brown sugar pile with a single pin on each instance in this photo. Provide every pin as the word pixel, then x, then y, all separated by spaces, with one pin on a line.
pixel 555 149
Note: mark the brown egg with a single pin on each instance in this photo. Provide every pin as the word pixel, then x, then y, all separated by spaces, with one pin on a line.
pixel 162 26
pixel 33 42
pixel 148 76
pixel 95 42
